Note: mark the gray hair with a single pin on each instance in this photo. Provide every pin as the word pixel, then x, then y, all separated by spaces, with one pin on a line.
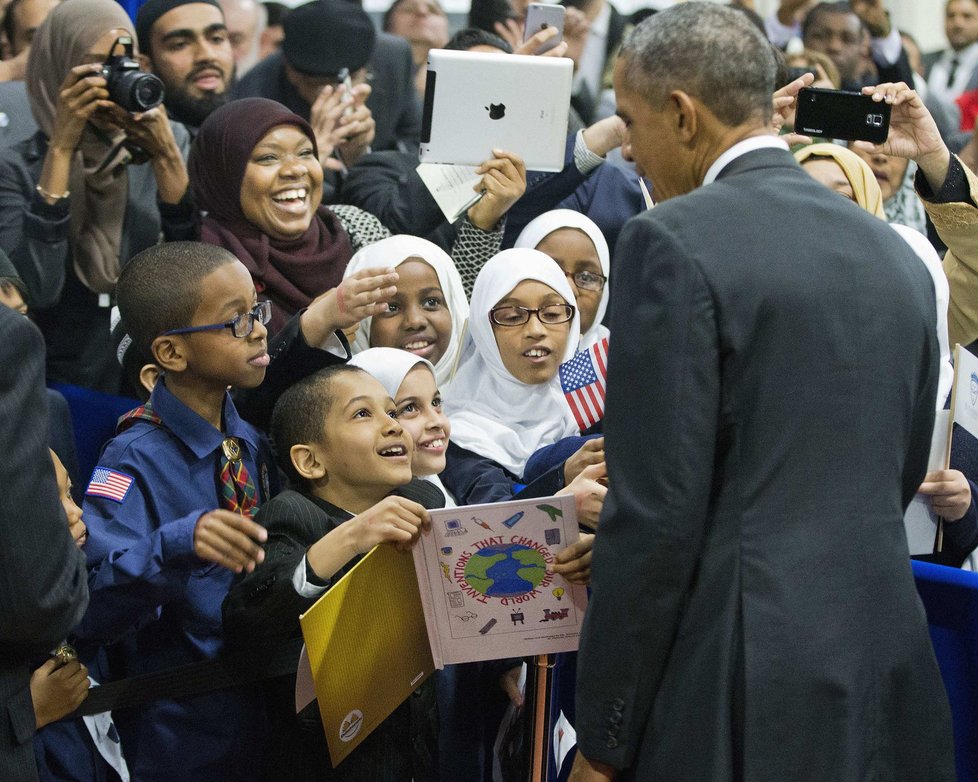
pixel 709 51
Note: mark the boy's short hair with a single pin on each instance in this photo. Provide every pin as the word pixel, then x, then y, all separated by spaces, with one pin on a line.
pixel 159 289
pixel 300 414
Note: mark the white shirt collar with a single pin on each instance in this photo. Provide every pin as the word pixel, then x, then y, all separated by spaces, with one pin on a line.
pixel 967 55
pixel 742 148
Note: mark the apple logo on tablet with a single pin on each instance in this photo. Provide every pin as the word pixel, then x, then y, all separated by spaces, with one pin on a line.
pixel 496 110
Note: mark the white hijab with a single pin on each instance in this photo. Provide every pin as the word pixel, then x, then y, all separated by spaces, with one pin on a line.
pixel 544 225
pixel 493 414
pixel 393 251
pixel 390 366
pixel 926 252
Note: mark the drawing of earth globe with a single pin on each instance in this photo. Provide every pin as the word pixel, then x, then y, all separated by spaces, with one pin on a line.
pixel 505 570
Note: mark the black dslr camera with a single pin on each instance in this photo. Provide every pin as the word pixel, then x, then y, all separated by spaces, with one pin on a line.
pixel 129 87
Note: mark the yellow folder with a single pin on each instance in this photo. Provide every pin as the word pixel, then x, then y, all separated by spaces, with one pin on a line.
pixel 368 646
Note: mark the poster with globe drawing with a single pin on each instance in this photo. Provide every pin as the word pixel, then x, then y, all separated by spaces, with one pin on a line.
pixel 486 592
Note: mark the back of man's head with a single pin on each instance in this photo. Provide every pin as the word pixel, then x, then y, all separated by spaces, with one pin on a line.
pixel 159 289
pixel 711 52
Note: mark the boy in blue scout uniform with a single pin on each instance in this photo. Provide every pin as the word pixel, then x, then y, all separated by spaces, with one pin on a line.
pixel 168 508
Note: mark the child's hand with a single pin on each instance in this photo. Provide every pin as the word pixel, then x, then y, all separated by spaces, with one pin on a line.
pixel 392 520
pixel 949 492
pixel 589 490
pixel 574 562
pixel 57 691
pixel 592 452
pixel 229 539
pixel 361 295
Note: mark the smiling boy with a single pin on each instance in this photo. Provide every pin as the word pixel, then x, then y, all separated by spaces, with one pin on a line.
pixel 336 434
pixel 168 507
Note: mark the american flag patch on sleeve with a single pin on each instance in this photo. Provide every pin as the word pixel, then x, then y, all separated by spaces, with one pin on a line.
pixel 109 484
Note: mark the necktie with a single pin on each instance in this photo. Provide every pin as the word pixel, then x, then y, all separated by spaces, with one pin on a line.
pixel 238 492
pixel 952 72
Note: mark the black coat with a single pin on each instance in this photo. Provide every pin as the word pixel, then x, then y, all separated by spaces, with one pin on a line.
pixel 43 586
pixel 769 414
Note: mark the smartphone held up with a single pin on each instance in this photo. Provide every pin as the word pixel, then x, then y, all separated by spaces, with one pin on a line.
pixel 838 114
pixel 541 16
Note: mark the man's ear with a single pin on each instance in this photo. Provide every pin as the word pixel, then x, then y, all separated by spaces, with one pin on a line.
pixel 686 117
pixel 168 354
pixel 308 462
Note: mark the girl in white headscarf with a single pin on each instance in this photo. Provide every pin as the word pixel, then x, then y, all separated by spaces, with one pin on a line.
pixel 577 245
pixel 427 315
pixel 411 383
pixel 506 400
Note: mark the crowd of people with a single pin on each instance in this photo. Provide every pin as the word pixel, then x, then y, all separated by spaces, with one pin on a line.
pixel 317 358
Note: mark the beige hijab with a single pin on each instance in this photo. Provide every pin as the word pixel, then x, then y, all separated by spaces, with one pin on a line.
pixel 98 185
pixel 865 188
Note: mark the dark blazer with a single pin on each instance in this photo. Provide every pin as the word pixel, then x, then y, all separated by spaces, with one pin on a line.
pixel 43 590
pixel 769 414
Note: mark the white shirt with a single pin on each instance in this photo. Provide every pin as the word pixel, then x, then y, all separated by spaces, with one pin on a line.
pixel 937 81
pixel 742 148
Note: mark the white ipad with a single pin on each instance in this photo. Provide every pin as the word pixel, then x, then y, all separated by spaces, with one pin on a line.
pixel 475 102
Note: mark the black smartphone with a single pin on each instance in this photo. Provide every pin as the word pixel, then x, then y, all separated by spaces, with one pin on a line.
pixel 839 114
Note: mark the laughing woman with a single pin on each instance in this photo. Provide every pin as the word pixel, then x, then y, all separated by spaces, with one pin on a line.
pixel 255 172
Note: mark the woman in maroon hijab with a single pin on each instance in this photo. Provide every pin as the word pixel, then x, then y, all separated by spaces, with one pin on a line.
pixel 255 172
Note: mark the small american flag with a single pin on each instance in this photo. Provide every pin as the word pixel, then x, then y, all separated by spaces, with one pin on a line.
pixel 109 484
pixel 583 379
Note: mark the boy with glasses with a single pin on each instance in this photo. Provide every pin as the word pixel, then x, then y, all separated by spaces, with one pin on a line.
pixel 169 508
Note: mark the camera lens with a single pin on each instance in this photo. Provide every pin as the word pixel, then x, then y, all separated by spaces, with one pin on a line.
pixel 146 91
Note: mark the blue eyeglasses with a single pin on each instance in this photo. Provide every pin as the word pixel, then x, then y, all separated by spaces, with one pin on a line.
pixel 241 325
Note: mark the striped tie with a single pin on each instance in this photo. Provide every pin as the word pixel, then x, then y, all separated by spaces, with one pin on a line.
pixel 238 492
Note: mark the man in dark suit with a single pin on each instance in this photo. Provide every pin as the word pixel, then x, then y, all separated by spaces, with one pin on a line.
pixel 43 589
pixel 953 71
pixel 769 414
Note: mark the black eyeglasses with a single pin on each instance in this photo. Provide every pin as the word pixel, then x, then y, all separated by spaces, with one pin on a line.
pixel 551 315
pixel 241 325
pixel 588 281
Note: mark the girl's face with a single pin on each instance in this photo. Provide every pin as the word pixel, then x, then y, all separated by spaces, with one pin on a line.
pixel 420 414
pixel 417 318
pixel 77 528
pixel 575 254
pixel 531 352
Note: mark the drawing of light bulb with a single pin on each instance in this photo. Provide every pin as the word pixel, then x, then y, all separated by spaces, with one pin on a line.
pixel 558 592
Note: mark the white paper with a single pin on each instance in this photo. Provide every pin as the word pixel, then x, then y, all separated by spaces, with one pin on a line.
pixel 305 687
pixel 452 187
pixel 920 521
pixel 486 588
pixel 966 391
pixel 565 738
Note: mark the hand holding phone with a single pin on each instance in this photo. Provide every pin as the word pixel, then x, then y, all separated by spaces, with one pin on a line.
pixel 542 16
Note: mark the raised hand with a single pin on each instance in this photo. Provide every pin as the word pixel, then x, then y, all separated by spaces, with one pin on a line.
pixel 504 182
